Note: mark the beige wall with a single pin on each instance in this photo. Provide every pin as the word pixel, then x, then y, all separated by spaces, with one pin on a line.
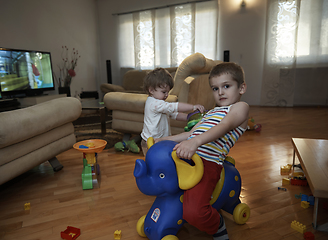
pixel 47 26
pixel 242 31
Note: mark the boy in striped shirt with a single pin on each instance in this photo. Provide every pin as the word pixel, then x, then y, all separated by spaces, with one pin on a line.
pixel 211 138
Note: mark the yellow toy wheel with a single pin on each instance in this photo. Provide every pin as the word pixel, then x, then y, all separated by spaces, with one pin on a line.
pixel 170 237
pixel 140 226
pixel 241 213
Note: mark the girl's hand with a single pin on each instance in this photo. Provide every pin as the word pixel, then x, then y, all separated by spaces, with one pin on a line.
pixel 199 107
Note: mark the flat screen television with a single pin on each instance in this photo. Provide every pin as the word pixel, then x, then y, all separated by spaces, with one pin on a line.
pixel 25 73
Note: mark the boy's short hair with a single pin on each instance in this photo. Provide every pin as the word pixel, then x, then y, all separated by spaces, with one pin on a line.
pixel 233 69
pixel 159 77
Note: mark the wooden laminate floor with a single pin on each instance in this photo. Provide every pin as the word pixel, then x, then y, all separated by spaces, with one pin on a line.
pixel 57 199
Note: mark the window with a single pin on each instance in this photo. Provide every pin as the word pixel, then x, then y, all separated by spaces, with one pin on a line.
pixel 298 29
pixel 165 37
pixel 296 61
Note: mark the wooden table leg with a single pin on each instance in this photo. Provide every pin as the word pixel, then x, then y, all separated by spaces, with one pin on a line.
pixel 315 212
pixel 102 112
pixel 293 162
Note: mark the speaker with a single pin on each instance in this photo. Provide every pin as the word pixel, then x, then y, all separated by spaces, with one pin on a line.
pixel 226 56
pixel 109 71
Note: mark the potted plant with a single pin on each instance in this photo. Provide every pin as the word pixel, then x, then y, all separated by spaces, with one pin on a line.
pixel 67 70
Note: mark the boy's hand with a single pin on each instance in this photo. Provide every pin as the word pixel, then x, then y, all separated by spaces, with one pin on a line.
pixel 186 149
pixel 201 108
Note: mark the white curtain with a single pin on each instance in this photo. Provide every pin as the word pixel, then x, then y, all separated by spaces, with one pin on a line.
pixel 296 57
pixel 165 37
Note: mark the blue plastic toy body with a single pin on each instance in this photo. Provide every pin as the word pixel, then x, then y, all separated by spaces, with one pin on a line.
pixel 158 176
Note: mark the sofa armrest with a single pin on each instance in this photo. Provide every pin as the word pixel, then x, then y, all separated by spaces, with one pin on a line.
pixel 130 102
pixel 107 87
pixel 19 125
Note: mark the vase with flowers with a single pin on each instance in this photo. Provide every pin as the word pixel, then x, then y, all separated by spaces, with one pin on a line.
pixel 67 70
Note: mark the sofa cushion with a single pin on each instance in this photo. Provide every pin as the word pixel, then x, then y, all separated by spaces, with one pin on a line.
pixel 19 125
pixel 130 102
pixel 136 77
pixel 133 79
pixel 128 116
pixel 34 143
pixel 26 162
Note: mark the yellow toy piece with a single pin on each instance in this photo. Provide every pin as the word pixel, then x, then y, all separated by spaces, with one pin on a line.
pixel 27 206
pixel 90 145
pixel 91 158
pixel 285 170
pixel 285 181
pixel 117 234
pixel 305 204
pixel 298 226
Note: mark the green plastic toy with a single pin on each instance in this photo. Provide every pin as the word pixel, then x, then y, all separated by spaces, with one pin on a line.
pixel 127 145
pixel 193 119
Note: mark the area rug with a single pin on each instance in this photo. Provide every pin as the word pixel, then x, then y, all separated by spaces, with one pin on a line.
pixel 88 127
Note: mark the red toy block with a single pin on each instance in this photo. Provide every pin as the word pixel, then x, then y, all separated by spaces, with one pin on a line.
pixel 71 233
pixel 298 182
pixel 308 236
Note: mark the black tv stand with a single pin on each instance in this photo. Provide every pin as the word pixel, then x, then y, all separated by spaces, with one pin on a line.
pixel 9 104
pixel 34 92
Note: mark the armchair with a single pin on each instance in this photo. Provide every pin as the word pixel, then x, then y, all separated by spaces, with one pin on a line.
pixel 190 86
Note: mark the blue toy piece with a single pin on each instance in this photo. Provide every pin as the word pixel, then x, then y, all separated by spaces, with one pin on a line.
pixel 164 175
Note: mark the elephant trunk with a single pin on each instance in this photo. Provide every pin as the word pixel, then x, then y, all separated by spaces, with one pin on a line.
pixel 140 169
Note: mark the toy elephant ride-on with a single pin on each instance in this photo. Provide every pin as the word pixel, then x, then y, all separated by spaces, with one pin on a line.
pixel 164 175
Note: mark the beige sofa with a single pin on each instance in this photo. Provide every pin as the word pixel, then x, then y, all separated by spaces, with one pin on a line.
pixel 190 85
pixel 33 135
pixel 132 81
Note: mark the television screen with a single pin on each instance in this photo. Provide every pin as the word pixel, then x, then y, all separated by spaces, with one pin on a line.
pixel 24 72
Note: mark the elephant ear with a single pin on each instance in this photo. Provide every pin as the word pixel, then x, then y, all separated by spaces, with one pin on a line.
pixel 150 142
pixel 188 175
